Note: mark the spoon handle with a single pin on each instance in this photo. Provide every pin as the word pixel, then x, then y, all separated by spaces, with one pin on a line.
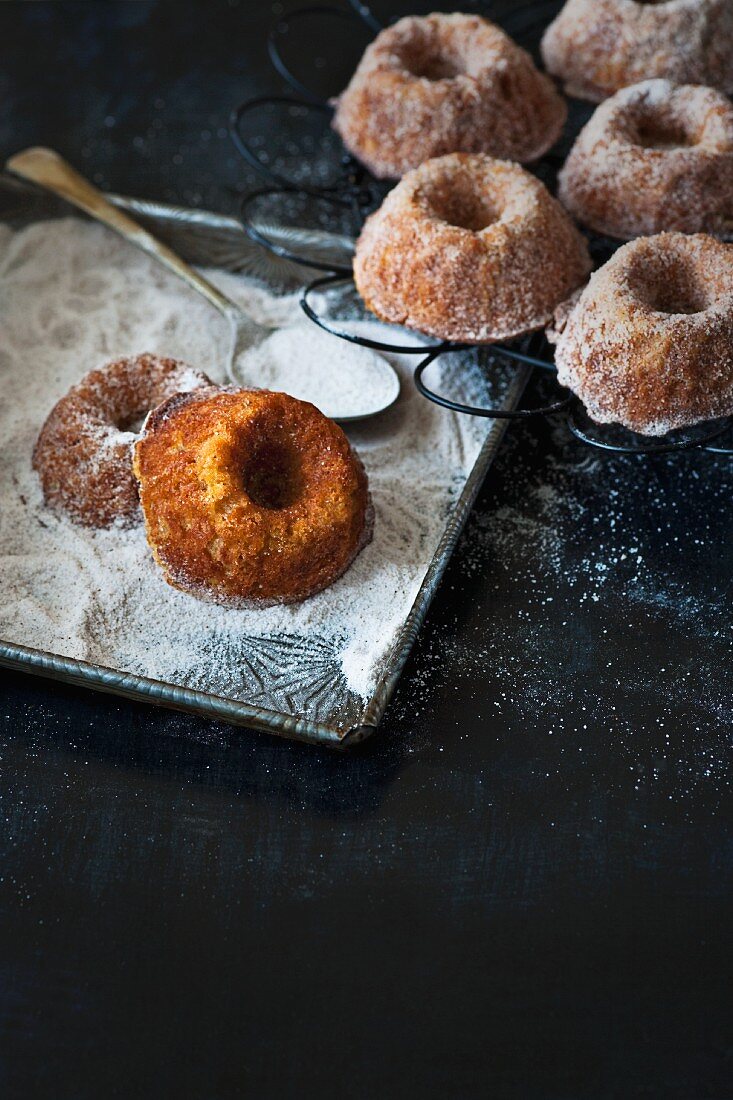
pixel 47 168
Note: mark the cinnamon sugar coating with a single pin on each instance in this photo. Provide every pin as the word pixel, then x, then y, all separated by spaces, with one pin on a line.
pixel 598 46
pixel 656 156
pixel 649 344
pixel 441 84
pixel 83 455
pixel 470 249
pixel 250 497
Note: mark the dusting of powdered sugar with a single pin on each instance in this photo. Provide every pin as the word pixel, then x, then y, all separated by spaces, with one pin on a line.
pixel 404 106
pixel 668 145
pixel 598 46
pixel 608 646
pixel 73 296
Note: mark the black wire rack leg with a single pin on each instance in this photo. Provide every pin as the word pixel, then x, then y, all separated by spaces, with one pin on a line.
pixel 280 31
pixel 478 410
pixel 366 15
pixel 640 445
pixel 243 146
pixel 353 338
pixel 256 232
pixel 719 450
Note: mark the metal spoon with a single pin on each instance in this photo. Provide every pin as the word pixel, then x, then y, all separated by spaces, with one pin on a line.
pixel 47 168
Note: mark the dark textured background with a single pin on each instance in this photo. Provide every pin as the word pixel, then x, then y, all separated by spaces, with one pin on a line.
pixel 520 888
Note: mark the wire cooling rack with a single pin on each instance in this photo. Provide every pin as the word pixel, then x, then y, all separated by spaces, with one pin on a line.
pixel 325 186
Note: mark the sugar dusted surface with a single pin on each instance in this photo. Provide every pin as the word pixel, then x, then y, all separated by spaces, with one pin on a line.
pixel 415 267
pixel 84 456
pixel 73 296
pixel 637 357
pixel 598 46
pixel 437 84
pixel 620 181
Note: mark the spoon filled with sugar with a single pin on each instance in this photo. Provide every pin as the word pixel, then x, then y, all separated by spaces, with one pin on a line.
pixel 356 390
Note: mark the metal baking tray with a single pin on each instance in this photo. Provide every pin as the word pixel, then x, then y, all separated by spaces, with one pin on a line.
pixel 318 710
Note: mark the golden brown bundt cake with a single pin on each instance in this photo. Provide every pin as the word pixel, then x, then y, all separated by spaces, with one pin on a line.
pixel 469 249
pixel 84 452
pixel 441 84
pixel 598 46
pixel 250 497
pixel 649 344
pixel 656 156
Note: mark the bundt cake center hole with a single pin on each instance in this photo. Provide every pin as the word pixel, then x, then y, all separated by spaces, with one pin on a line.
pixel 461 206
pixel 676 290
pixel 272 476
pixel 133 422
pixel 658 133
pixel 678 300
pixel 433 66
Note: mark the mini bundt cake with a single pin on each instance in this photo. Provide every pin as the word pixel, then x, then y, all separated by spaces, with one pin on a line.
pixel 83 456
pixel 649 344
pixel 250 497
pixel 442 84
pixel 598 46
pixel 469 249
pixel 656 156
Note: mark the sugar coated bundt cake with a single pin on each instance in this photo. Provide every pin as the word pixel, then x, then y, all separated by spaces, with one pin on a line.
pixel 250 497
pixel 469 249
pixel 84 452
pixel 655 156
pixel 441 84
pixel 649 344
pixel 598 46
